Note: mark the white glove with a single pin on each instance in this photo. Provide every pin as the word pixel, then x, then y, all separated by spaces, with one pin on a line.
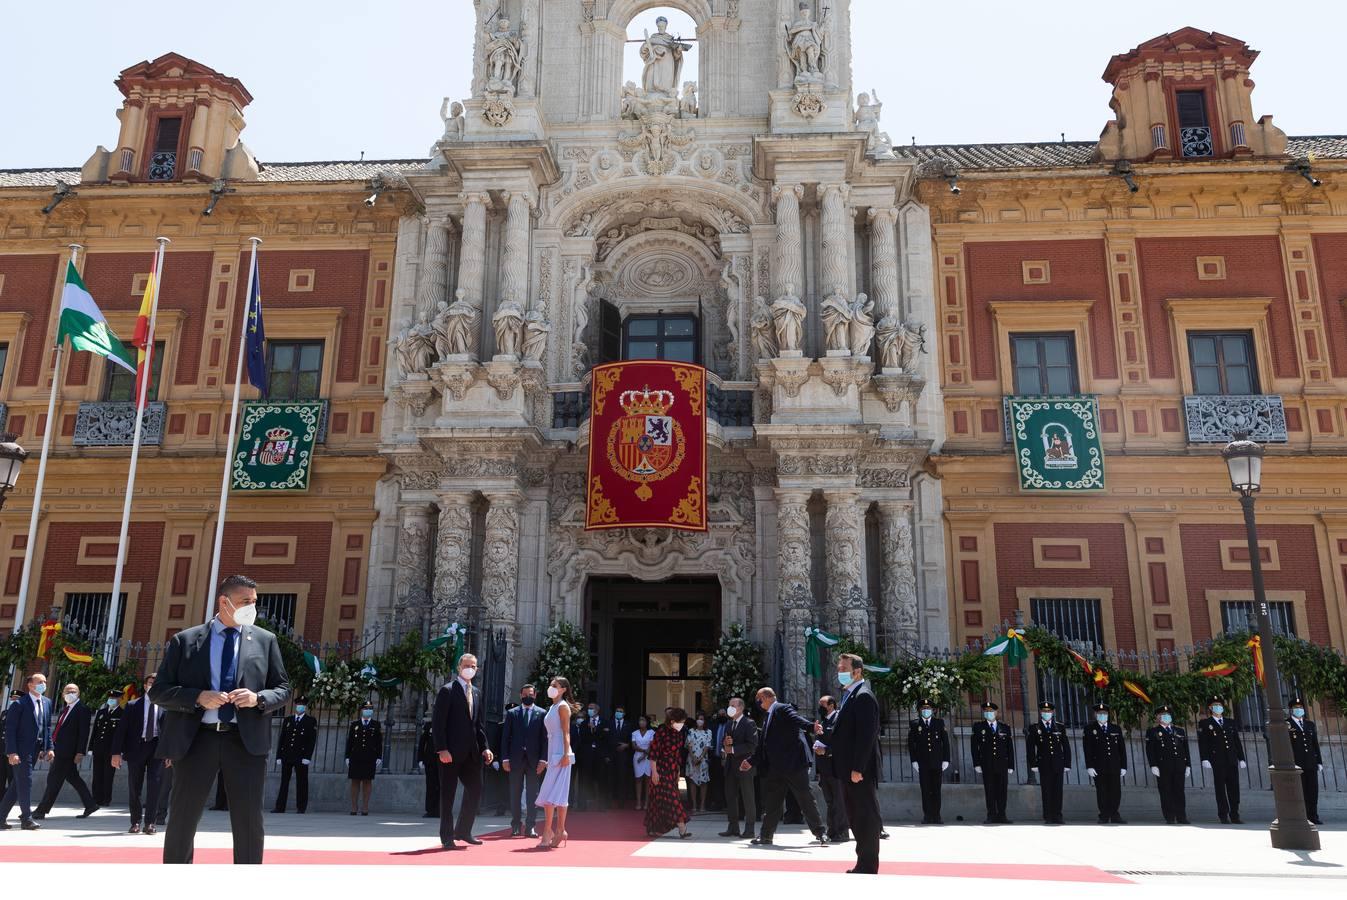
pixel 916 767
pixel 1010 771
pixel 1093 773
pixel 278 762
pixel 1064 771
pixel 378 763
pixel 346 761
pixel 1034 769
pixel 1243 764
pixel 1206 764
pixel 1122 772
pixel 978 769
pixel 1187 772
pixel 1155 770
pixel 944 766
pixel 305 761
pixel 420 767
pixel 1321 767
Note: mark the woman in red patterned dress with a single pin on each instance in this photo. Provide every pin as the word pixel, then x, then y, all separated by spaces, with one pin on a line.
pixel 665 808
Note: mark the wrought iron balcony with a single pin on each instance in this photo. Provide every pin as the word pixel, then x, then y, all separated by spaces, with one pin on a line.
pixel 729 408
pixel 108 424
pixel 1195 141
pixel 569 408
pixel 4 416
pixel 1214 418
pixel 163 165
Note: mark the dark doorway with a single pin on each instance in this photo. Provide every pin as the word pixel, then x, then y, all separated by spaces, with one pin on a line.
pixel 654 642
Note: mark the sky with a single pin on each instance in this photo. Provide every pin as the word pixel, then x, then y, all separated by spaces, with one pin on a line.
pixel 334 78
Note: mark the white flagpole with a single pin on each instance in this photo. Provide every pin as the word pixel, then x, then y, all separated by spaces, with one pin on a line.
pixel 30 549
pixel 233 428
pixel 112 636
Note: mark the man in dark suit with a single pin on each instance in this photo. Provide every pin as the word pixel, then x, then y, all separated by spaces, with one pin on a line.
pixel 27 737
pixel 460 742
pixel 1305 748
pixel 219 684
pixel 783 757
pixel 1221 750
pixel 928 747
pixel 1106 762
pixel 101 735
pixel 1170 760
pixel 855 754
pixel 69 741
pixel 828 781
pixel 738 747
pixel 524 756
pixel 994 760
pixel 294 754
pixel 620 784
pixel 429 762
pixel 594 759
pixel 4 758
pixel 135 744
pixel 1048 752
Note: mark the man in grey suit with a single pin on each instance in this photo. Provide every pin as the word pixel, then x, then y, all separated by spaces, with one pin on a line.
pixel 218 684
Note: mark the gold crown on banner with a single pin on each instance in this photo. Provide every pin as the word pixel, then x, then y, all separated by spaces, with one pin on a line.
pixel 646 402
pixel 278 434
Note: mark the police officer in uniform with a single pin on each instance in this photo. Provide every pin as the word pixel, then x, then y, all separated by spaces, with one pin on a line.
pixel 294 753
pixel 101 733
pixel 1221 750
pixel 1106 762
pixel 1168 756
pixel 994 760
pixel 5 773
pixel 1305 746
pixel 430 767
pixel 1048 750
pixel 928 745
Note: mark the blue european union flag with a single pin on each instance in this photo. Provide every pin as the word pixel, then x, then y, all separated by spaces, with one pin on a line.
pixel 256 344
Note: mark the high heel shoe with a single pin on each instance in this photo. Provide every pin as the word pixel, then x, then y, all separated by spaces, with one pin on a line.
pixel 545 843
pixel 560 839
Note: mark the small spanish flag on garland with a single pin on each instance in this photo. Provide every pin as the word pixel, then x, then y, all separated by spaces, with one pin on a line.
pixel 1101 679
pixel 49 631
pixel 1135 690
pixel 1219 670
pixel 129 693
pixel 1084 663
pixel 77 657
pixel 1256 645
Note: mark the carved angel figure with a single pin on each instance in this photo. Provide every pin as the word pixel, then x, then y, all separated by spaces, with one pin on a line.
pixel 503 51
pixel 536 330
pixel 687 106
pixel 788 315
pixel 804 46
pixel 866 119
pixel 762 329
pixel 508 323
pixel 862 325
pixel 836 315
pixel 416 347
pixel 461 324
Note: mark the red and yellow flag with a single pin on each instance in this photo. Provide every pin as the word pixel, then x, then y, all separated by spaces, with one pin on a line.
pixel 1101 679
pixel 1135 690
pixel 143 337
pixel 129 693
pixel 1217 670
pixel 47 633
pixel 1084 663
pixel 77 657
pixel 1256 645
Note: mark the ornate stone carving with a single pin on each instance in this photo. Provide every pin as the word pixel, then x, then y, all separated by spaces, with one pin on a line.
pixel 457 377
pixel 504 380
pixel 453 546
pixel 687 104
pixel 789 248
pixel 899 344
pixel 579 347
pixel 788 318
pixel 536 330
pixel 412 575
pixel 897 389
pixel 433 289
pixel 808 102
pixel 820 464
pixel 763 329
pixel 451 113
pixel 843 537
pixel 610 239
pixel 794 550
pixel 458 326
pixel 503 55
pixel 415 394
pixel 662 54
pixel 862 326
pixel 658 135
pixel 508 323
pixel 898 574
pixel 836 315
pixel 500 557
pixel 472 253
pixel 878 145
pixel 415 347
pixel 515 252
pixel 835 224
pixel 806 47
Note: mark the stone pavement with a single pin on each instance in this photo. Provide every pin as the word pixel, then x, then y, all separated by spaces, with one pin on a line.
pixel 1024 860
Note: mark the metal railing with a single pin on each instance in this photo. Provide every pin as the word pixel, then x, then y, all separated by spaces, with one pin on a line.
pixel 730 407
pixel 1195 141
pixel 1214 418
pixel 113 424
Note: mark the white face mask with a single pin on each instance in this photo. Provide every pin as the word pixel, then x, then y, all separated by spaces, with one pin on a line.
pixel 112 703
pixel 731 712
pixel 244 614
pixel 677 726
pixel 70 698
pixel 468 673
pixel 554 692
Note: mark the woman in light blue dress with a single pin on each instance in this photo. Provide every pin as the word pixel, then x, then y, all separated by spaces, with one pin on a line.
pixel 555 793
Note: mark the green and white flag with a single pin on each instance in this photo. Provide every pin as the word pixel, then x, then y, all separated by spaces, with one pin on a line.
pixel 83 322
pixel 1012 647
pixel 313 662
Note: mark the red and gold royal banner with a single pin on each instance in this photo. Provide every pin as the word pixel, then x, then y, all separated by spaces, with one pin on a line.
pixel 647 446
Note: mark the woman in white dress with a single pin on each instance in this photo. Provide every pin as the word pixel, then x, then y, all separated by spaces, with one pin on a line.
pixel 640 758
pixel 555 793
pixel 699 766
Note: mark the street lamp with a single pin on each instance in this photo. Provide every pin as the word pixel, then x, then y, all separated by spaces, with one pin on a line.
pixel 1290 830
pixel 11 461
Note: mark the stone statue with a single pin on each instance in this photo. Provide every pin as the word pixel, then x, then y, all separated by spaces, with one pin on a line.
pixel 451 113
pixel 461 324
pixel 788 316
pixel 836 315
pixel 866 119
pixel 503 51
pixel 631 94
pixel 580 315
pixel 804 46
pixel 913 341
pixel 733 311
pixel 581 226
pixel 762 329
pixel 687 106
pixel 890 342
pixel 509 325
pixel 440 330
pixel 536 330
pixel 416 347
pixel 662 54
pixel 862 325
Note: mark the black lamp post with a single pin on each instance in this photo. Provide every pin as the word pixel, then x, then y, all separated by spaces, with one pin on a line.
pixel 11 461
pixel 1290 830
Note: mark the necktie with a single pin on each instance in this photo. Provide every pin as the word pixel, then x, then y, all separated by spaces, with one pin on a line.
pixel 227 673
pixel 59 722
pixel 467 692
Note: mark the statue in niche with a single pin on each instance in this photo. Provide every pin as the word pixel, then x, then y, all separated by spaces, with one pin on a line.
pixel 805 46
pixel 890 342
pixel 662 54
pixel 687 106
pixel 763 329
pixel 579 348
pixel 733 307
pixel 912 342
pixel 862 325
pixel 788 316
pixel 836 315
pixel 503 51
pixel 416 347
pixel 462 321
pixel 440 329
pixel 508 323
pixel 536 330
pixel 866 119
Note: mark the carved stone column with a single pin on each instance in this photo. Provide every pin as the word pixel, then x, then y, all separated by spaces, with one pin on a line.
pixel 472 256
pixel 411 581
pixel 434 287
pixel 514 273
pixel 884 261
pixel 844 538
pixel 500 557
pixel 793 587
pixel 453 549
pixel 835 222
pixel 789 268
pixel 898 576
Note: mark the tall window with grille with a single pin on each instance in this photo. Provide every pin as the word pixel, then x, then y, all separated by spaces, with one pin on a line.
pixel 294 370
pixel 278 609
pixel 1238 616
pixel 86 615
pixel 1194 126
pixel 120 385
pixel 661 336
pixel 1076 621
pixel 1223 362
pixel 164 152
pixel 1044 363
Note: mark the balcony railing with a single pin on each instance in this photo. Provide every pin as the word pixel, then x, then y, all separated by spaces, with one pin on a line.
pixel 730 408
pixel 1214 418
pixel 108 424
pixel 4 416
pixel 569 408
pixel 163 165
pixel 1195 141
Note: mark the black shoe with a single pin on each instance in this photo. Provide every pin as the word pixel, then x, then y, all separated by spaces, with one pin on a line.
pixel 430 815
pixel 451 845
pixel 839 838
pixel 365 813
pixel 1184 822
pixel 883 835
pixel 734 833
pixel 88 811
pixel 150 829
pixel 469 839
pixel 301 811
pixel 5 826
pixel 990 821
pixel 1225 820
pixel 1103 820
pixel 39 816
pixel 937 821
pixel 134 829
pixel 820 838
pixel 514 831
pixel 352 812
pixel 1117 820
pixel 530 833
pixel 278 810
pixel 761 841
pixel 1316 821
pixel 748 835
pixel 1004 821
pixel 29 825
pixel 1236 820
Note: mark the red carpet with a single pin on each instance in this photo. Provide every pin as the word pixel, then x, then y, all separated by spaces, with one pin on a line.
pixel 608 841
